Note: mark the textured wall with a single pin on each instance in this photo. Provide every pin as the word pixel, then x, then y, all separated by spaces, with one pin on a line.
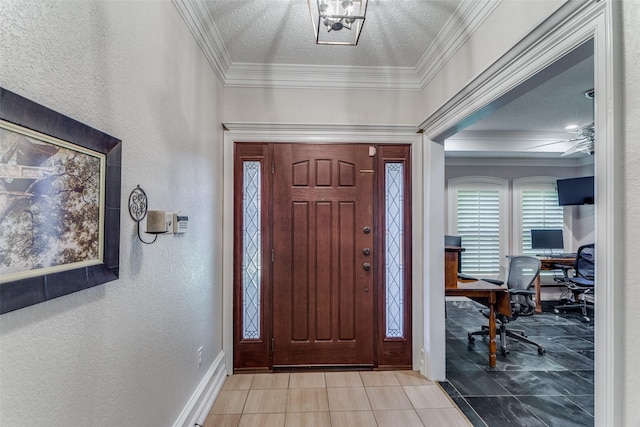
pixel 321 106
pixel 630 297
pixel 124 353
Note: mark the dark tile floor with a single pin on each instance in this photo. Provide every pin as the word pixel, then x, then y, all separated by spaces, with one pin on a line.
pixel 524 389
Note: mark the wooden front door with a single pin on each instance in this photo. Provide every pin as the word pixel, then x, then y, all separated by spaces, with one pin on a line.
pixel 322 251
pixel 323 267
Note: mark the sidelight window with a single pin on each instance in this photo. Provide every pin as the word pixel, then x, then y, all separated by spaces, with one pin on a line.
pixel 394 214
pixel 251 250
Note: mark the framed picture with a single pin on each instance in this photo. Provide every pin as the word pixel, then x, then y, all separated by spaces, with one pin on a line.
pixel 59 204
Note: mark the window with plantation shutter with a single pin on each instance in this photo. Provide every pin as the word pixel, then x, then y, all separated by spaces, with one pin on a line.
pixel 536 207
pixel 478 211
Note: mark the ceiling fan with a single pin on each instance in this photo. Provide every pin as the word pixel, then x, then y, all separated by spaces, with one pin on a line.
pixel 584 142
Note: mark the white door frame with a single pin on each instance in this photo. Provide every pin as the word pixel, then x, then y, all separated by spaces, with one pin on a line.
pixel 572 24
pixel 318 134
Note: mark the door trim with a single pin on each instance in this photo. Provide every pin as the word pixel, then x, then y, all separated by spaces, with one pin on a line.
pixel 318 134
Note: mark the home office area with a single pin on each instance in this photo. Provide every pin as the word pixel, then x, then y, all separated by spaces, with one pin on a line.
pixel 520 260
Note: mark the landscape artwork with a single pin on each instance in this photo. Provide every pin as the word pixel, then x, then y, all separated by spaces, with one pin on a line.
pixel 51 196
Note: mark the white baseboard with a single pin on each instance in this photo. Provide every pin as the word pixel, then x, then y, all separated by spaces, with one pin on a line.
pixel 197 408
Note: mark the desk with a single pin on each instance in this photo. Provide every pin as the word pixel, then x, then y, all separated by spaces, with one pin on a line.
pixel 548 264
pixel 493 296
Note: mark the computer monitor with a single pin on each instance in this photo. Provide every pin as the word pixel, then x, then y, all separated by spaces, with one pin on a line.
pixel 452 240
pixel 548 238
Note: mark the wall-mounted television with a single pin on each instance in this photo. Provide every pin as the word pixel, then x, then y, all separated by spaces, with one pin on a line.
pixel 575 191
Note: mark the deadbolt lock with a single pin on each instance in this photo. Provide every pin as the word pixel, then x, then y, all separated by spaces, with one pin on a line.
pixel 367 230
pixel 366 266
pixel 366 251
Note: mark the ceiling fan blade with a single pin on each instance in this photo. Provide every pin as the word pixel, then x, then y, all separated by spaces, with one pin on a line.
pixel 573 149
pixel 546 144
pixel 561 141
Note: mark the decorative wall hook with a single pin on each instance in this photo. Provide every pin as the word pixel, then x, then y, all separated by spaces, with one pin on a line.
pixel 138 210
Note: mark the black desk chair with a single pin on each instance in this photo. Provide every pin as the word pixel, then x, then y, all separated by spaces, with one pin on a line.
pixel 579 280
pixel 523 271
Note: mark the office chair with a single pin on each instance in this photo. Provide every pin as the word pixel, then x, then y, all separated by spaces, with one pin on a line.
pixel 579 280
pixel 523 271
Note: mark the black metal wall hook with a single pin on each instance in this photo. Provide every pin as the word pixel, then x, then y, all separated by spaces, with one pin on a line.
pixel 138 209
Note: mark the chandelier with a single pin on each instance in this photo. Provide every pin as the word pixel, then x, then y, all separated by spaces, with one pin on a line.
pixel 337 22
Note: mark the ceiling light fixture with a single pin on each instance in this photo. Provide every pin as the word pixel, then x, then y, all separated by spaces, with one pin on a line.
pixel 330 19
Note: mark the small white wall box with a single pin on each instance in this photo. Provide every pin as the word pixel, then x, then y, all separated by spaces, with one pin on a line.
pixel 180 223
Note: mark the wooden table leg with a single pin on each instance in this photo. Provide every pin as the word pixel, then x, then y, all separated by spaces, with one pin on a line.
pixel 538 302
pixel 492 336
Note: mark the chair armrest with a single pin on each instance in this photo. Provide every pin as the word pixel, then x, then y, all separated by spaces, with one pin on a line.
pixel 521 292
pixel 580 281
pixel 494 281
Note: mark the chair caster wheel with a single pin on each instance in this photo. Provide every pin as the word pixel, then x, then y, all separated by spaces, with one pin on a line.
pixel 541 351
pixel 505 353
pixel 471 338
pixel 556 311
pixel 586 319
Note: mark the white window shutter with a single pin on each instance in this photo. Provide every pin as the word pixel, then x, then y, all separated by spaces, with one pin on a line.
pixel 478 222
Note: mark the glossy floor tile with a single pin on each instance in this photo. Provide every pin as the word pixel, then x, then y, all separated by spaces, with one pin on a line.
pixel 334 399
pixel 525 388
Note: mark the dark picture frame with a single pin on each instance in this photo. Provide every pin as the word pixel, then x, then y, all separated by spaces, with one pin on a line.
pixel 27 291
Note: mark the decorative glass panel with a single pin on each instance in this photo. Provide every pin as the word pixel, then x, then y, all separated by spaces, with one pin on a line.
pixel 251 253
pixel 394 268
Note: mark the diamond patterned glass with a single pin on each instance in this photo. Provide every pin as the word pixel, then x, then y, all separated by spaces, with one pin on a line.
pixel 251 253
pixel 394 213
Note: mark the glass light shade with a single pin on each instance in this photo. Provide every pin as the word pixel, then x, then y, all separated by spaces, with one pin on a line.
pixel 337 22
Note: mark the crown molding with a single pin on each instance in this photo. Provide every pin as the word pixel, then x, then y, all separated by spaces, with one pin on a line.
pixel 197 18
pixel 321 130
pixel 517 161
pixel 321 76
pixel 458 29
pixel 467 17
pixel 320 133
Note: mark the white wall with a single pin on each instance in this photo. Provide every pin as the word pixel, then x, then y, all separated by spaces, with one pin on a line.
pixel 123 353
pixel 321 106
pixel 630 291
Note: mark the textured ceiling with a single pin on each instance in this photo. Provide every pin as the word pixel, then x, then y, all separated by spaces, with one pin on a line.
pixel 554 104
pixel 396 33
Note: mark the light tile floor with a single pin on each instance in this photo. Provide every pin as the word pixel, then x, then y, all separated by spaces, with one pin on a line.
pixel 333 399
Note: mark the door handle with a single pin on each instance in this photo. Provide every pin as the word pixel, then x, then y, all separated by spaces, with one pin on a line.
pixel 366 266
